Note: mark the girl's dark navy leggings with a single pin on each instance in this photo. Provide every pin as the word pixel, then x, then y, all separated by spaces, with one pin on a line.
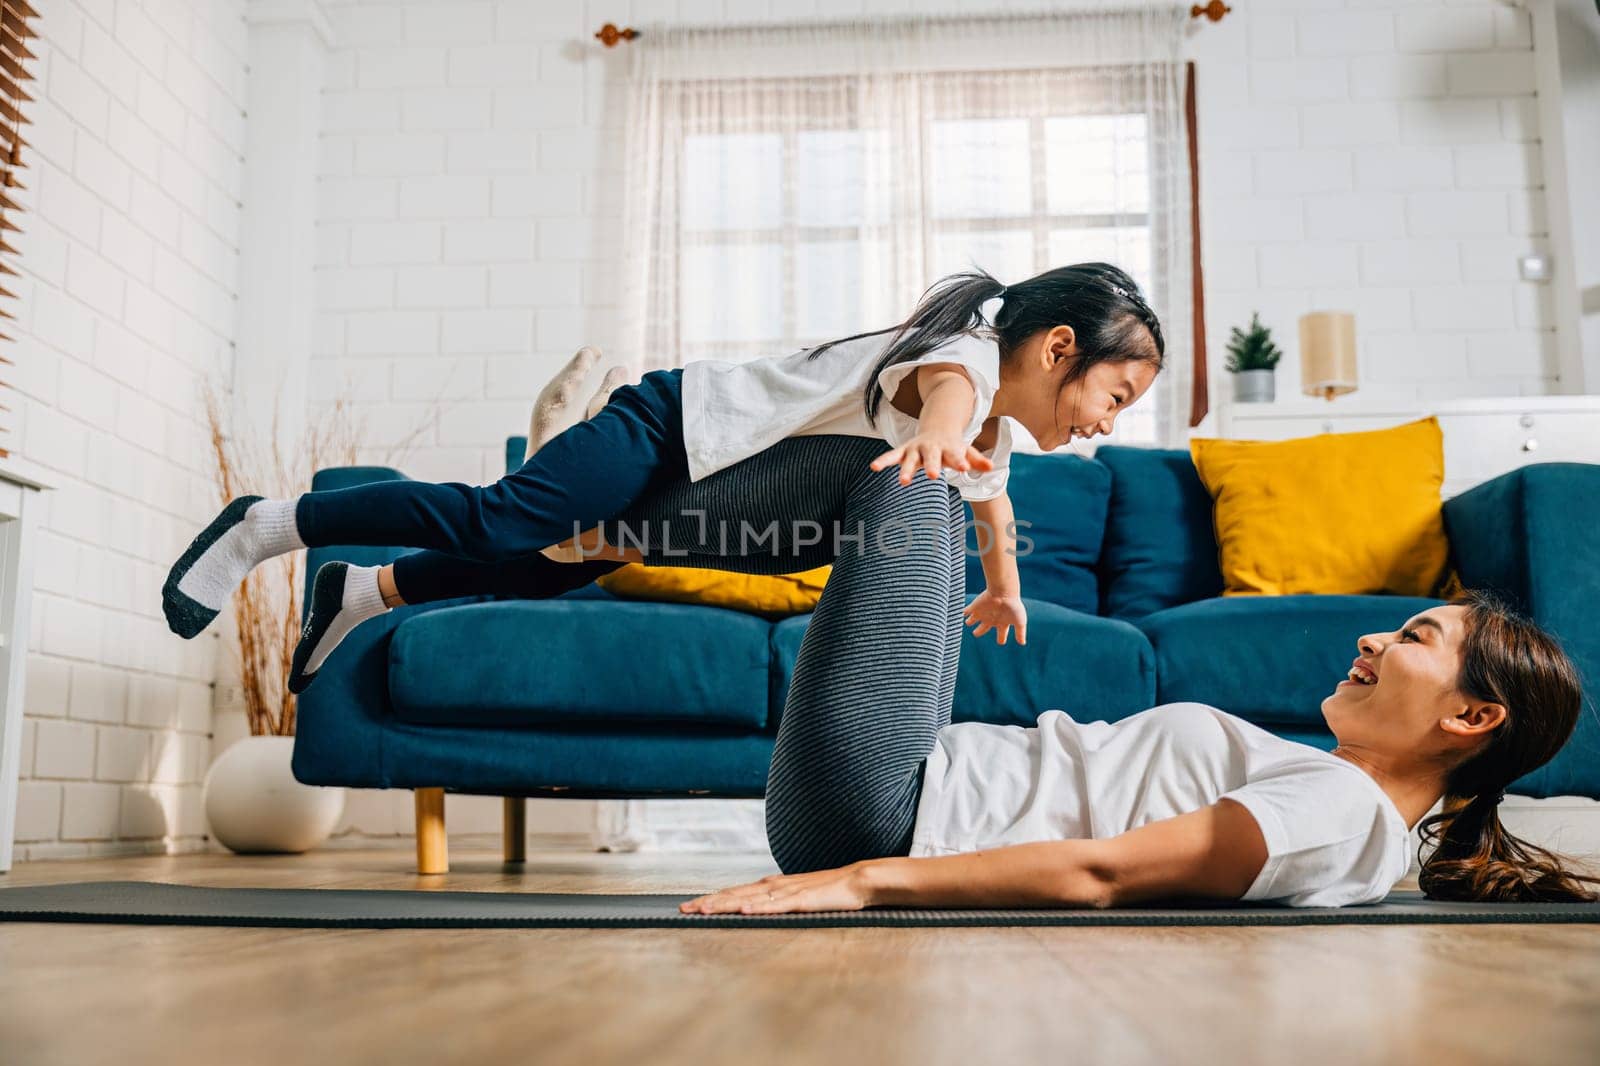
pixel 874 680
pixel 486 539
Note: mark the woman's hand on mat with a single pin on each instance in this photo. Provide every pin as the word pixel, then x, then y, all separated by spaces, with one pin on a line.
pixel 991 610
pixel 932 452
pixel 841 889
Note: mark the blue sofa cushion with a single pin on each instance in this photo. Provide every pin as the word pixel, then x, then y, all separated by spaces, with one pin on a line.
pixel 1160 544
pixel 579 662
pixel 1269 659
pixel 1063 499
pixel 1530 536
pixel 593 762
pixel 1088 666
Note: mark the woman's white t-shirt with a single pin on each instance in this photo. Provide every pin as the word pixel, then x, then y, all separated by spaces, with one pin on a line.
pixel 1333 835
pixel 732 411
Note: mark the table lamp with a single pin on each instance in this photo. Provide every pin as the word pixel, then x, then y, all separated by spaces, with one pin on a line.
pixel 1328 353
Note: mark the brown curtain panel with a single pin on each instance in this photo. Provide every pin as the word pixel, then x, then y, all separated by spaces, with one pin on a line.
pixel 15 32
pixel 1199 400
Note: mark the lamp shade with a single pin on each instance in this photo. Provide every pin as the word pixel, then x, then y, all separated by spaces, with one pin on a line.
pixel 1328 353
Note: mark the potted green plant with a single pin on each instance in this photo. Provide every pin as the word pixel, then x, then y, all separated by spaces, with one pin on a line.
pixel 1251 359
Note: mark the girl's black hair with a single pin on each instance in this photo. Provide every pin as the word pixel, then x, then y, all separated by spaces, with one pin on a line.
pixel 1101 303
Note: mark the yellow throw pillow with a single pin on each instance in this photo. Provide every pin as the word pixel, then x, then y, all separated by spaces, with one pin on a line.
pixel 779 594
pixel 1338 513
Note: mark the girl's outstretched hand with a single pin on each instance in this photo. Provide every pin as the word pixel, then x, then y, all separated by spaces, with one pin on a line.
pixel 839 889
pixel 1000 613
pixel 932 452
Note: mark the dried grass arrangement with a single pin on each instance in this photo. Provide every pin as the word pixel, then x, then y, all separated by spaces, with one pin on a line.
pixel 266 607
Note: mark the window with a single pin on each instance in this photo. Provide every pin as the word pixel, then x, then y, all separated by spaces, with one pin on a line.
pixel 787 224
pixel 774 231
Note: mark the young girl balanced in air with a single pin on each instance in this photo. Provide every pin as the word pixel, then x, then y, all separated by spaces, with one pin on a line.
pixel 1062 353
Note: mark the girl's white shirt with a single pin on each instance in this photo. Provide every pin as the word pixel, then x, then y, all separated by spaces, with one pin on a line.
pixel 732 411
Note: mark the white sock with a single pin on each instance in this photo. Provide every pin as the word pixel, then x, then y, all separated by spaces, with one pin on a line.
pixel 266 530
pixel 359 600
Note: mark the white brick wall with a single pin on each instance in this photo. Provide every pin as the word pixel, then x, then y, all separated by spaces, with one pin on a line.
pixel 1379 157
pixel 468 150
pixel 1376 156
pixel 129 258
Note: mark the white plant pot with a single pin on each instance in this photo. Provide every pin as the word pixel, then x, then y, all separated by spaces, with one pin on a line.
pixel 254 803
pixel 1253 386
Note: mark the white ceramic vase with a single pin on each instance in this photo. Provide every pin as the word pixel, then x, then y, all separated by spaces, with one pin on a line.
pixel 254 803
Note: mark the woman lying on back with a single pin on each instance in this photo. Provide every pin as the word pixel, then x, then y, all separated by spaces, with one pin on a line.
pixel 1187 801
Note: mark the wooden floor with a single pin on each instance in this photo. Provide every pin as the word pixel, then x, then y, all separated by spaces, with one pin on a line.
pixel 86 994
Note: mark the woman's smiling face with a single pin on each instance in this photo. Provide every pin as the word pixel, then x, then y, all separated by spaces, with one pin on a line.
pixel 1402 693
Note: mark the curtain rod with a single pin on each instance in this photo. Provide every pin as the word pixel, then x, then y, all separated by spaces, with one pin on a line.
pixel 609 35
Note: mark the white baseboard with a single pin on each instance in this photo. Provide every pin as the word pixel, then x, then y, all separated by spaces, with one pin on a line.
pixel 681 825
pixel 1568 825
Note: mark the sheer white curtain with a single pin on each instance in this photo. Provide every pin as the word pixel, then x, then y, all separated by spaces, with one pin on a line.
pixel 793 183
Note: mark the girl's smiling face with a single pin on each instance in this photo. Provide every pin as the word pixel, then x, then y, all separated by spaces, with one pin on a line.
pixel 1035 391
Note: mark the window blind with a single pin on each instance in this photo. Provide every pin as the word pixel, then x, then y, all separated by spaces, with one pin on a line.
pixel 14 54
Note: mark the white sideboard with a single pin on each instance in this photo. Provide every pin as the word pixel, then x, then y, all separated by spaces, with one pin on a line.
pixel 20 484
pixel 1483 438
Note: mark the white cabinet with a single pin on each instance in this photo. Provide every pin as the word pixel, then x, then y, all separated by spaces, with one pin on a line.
pixel 1482 438
pixel 20 484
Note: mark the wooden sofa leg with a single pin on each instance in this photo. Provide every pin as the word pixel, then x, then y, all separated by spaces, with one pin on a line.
pixel 516 828
pixel 433 850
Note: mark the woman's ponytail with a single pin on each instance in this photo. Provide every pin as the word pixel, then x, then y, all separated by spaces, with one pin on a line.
pixel 1506 659
pixel 1478 859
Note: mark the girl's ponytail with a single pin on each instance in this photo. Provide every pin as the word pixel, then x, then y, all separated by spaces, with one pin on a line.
pixel 949 307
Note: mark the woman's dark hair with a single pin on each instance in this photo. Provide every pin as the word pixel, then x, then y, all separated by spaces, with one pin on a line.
pixel 1506 659
pixel 1104 307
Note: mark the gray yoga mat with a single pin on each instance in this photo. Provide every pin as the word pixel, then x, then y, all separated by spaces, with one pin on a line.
pixel 159 903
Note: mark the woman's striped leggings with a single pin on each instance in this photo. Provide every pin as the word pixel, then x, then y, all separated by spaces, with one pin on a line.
pixel 876 673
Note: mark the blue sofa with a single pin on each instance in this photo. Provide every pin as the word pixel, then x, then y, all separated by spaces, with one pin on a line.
pixel 591 696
